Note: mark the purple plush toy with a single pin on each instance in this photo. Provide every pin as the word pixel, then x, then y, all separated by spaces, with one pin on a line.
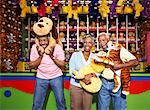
pixel 145 11
pixel 55 12
pixel 113 9
pixel 74 1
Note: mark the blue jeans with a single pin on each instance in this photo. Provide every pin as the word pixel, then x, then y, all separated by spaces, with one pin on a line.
pixel 41 87
pixel 105 95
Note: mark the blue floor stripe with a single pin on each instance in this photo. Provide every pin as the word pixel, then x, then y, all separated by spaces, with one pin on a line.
pixel 17 78
pixel 140 78
pixel 65 78
pixel 24 78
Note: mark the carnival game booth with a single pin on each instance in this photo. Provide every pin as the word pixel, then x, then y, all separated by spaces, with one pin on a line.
pixel 127 22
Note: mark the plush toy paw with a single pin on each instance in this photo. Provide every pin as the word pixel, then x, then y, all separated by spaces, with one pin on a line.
pixel 49 49
pixel 108 62
pixel 78 75
pixel 108 73
pixel 98 59
pixel 101 53
pixel 87 82
pixel 104 60
pixel 125 92
pixel 117 81
pixel 40 49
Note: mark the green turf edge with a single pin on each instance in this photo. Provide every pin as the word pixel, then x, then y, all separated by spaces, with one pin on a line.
pixel 33 74
pixel 23 101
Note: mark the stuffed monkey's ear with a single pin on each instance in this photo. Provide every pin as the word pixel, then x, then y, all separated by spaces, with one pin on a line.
pixel 40 48
pixel 37 42
pixel 52 41
pixel 50 47
pixel 56 41
pixel 60 43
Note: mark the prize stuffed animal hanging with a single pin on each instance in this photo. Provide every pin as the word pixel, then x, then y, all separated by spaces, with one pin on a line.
pixel 48 7
pixel 43 27
pixel 55 12
pixel 55 3
pixel 128 6
pixel 34 7
pixel 124 7
pixel 137 7
pixel 104 9
pixel 93 9
pixel 25 9
pixel 72 9
pixel 145 5
pixel 42 9
pixel 85 8
pixel 112 9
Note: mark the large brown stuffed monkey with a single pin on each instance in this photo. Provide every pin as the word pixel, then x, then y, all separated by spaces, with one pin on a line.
pixel 43 27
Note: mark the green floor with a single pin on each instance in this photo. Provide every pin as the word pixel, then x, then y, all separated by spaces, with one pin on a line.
pixel 22 101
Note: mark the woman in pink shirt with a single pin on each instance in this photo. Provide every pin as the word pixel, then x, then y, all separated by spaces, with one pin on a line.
pixel 48 73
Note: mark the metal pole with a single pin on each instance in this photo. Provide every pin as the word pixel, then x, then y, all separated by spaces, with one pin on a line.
pixel 136 35
pixel 127 32
pixel 97 27
pixel 29 37
pixel 107 23
pixel 87 24
pixel 117 29
pixel 78 34
pixel 67 33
